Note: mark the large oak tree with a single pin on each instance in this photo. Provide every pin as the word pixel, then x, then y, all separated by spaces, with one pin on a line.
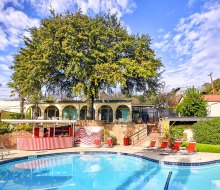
pixel 78 54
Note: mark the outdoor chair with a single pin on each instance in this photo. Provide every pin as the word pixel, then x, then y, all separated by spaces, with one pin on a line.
pixel 108 143
pixel 191 148
pixel 151 146
pixel 175 148
pixel 97 143
pixel 163 146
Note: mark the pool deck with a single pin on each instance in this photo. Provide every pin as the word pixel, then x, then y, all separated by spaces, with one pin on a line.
pixel 171 157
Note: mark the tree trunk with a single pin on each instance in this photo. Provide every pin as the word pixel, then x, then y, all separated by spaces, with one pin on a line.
pixel 22 105
pixel 35 111
pixel 90 112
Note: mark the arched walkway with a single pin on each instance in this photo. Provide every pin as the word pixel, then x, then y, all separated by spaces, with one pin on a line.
pixel 70 112
pixel 106 113
pixel 33 112
pixel 83 113
pixel 122 113
pixel 51 112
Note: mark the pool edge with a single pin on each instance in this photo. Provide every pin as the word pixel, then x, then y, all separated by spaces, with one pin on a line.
pixel 113 152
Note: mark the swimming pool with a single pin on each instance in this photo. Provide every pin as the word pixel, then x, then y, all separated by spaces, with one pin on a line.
pixel 103 171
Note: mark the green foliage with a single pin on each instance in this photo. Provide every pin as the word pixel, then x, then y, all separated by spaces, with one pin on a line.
pixel 207 132
pixel 81 55
pixel 28 115
pixel 185 144
pixel 114 140
pixel 176 132
pixel 208 148
pixel 5 128
pixel 16 116
pixel 193 104
pixel 105 135
pixel 5 114
pixel 204 147
pixel 24 127
pixel 208 87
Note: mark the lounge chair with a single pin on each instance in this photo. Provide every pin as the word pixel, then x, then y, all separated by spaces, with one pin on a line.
pixel 191 148
pixel 175 148
pixel 97 143
pixel 151 146
pixel 108 142
pixel 163 145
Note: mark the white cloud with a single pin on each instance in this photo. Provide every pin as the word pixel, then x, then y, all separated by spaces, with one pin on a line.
pixel 95 6
pixel 13 25
pixel 4 67
pixel 7 58
pixel 4 92
pixel 195 48
pixel 190 3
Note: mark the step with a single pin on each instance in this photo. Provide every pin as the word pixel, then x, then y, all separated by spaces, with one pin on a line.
pixel 140 141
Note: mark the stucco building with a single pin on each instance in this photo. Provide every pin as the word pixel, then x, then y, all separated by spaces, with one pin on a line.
pixel 213 108
pixel 108 110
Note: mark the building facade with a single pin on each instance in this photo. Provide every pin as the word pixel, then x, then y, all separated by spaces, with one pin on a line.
pixel 213 108
pixel 108 110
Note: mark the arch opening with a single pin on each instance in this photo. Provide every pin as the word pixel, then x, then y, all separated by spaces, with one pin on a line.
pixel 106 113
pixel 70 113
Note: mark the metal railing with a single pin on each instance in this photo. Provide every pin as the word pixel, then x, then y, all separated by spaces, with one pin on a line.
pixel 138 135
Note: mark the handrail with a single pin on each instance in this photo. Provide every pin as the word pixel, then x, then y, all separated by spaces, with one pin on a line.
pixel 137 132
pixel 168 181
pixel 136 136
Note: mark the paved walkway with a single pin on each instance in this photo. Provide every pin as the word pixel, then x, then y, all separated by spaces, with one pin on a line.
pixel 172 157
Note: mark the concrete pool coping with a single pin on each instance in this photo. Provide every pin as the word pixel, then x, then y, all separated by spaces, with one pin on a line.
pixel 199 158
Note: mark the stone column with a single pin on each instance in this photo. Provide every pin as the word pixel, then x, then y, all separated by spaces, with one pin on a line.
pixel 60 113
pixel 42 113
pixel 114 114
pixel 130 114
pixel 78 112
pixel 96 113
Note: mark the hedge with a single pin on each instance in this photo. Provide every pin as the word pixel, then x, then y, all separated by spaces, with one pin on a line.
pixel 204 147
pixel 207 132
pixel 176 131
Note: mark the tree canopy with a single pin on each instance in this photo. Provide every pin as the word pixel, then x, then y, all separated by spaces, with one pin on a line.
pixel 208 87
pixel 193 104
pixel 76 54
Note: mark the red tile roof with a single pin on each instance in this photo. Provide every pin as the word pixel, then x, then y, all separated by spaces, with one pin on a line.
pixel 212 98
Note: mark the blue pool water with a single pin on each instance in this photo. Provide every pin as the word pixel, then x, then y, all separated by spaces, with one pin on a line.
pixel 103 172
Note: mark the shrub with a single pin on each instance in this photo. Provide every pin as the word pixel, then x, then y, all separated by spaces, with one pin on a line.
pixel 177 131
pixel 28 115
pixel 114 140
pixel 207 132
pixel 193 104
pixel 24 127
pixel 204 147
pixel 5 128
pixel 105 135
pixel 208 148
pixel 16 116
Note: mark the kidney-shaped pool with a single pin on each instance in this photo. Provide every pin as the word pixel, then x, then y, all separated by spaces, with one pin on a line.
pixel 104 171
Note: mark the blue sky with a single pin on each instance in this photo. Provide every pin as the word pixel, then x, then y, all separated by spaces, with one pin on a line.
pixel 185 33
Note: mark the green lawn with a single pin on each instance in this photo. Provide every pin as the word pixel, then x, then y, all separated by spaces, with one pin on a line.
pixel 205 147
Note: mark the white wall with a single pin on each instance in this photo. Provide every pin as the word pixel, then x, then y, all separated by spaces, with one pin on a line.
pixel 13 106
pixel 213 109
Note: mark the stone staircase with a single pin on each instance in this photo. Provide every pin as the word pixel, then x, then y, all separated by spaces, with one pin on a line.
pixel 144 136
